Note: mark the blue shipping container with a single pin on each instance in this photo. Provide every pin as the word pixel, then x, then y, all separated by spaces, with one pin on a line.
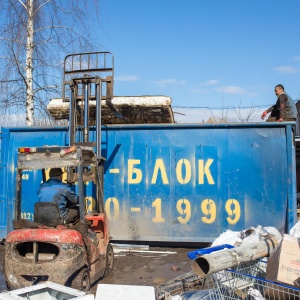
pixel 175 182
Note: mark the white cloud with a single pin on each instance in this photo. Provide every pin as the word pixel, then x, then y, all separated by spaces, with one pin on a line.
pixel 231 89
pixel 297 58
pixel 210 82
pixel 286 69
pixel 13 120
pixel 165 82
pixel 127 78
pixel 199 91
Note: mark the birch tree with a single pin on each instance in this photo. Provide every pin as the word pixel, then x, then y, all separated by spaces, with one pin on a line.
pixel 35 36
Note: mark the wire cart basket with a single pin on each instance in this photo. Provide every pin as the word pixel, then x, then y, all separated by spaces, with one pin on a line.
pixel 247 281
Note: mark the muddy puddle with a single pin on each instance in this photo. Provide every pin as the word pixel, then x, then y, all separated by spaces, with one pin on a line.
pixel 149 268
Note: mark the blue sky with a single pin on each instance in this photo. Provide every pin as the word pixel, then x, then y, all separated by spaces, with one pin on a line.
pixel 203 53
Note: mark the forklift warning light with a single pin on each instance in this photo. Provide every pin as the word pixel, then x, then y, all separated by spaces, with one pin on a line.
pixel 27 150
pixel 67 151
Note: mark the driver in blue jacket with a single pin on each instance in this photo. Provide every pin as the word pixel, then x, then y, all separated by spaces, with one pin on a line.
pixel 56 191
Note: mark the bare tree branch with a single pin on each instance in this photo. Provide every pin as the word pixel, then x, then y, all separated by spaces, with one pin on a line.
pixel 22 3
pixel 41 6
pixel 249 114
pixel 56 28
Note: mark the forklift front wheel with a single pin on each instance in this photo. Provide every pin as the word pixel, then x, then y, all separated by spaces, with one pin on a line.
pixel 82 281
pixel 109 260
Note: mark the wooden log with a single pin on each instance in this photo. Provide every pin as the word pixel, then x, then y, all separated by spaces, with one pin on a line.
pixel 227 258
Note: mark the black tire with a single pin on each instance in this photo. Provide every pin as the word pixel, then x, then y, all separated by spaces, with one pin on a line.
pixel 109 265
pixel 82 281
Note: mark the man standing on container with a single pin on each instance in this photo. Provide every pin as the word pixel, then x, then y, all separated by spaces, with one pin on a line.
pixel 56 191
pixel 284 109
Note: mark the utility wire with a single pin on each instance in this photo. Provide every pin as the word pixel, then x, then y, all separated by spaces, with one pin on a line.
pixel 228 107
pixel 224 107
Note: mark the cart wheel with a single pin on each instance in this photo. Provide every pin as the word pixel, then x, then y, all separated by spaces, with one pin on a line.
pixel 82 281
pixel 109 260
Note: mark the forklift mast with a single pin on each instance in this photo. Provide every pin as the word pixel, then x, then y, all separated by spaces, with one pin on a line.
pixel 87 76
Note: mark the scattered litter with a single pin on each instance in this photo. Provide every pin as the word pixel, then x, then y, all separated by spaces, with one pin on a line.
pixel 295 230
pixel 139 250
pixel 183 283
pixel 255 294
pixel 144 251
pixel 249 235
pixel 118 247
pixel 236 266
pixel 176 297
pixel 119 255
pixel 228 237
pixel 257 243
pixel 124 292
pixel 283 265
pixel 195 295
pixel 46 291
pixel 175 268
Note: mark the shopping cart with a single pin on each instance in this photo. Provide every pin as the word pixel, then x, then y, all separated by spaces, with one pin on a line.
pixel 247 281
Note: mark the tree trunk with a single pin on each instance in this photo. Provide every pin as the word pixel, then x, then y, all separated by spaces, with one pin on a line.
pixel 29 65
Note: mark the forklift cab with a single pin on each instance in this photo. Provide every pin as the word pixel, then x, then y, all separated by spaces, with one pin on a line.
pixel 80 254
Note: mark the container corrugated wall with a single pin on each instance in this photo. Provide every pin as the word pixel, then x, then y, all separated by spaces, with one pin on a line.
pixel 179 183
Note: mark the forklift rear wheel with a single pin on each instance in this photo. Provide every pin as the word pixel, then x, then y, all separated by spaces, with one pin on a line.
pixel 109 260
pixel 82 281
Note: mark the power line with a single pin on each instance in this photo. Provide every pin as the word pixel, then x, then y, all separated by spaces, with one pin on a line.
pixel 223 107
pixel 228 107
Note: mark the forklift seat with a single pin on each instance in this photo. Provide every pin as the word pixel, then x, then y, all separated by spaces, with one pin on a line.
pixel 47 213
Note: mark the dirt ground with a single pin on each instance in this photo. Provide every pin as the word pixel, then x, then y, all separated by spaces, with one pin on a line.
pixel 150 268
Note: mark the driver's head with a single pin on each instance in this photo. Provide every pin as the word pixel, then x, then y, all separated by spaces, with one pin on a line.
pixel 55 172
